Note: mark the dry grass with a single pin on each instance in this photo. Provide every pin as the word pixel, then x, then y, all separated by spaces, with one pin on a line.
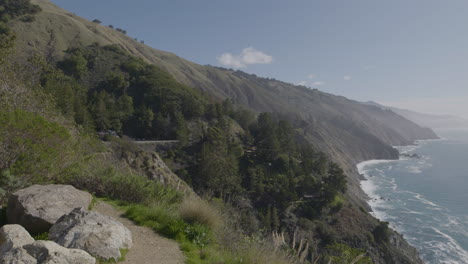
pixel 257 253
pixel 198 211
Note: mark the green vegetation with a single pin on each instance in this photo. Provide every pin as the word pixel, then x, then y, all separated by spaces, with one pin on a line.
pixel 230 155
pixel 13 9
pixel 381 232
pixel 123 254
pixel 259 172
pixel 342 254
pixel 42 236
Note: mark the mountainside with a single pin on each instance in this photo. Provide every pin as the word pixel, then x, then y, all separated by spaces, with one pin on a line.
pixel 346 130
pixel 338 126
pixel 428 120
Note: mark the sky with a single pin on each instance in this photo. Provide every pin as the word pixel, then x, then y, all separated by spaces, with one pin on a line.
pixel 405 53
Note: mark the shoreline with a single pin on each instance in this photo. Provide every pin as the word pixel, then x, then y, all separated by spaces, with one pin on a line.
pixel 367 186
pixel 447 247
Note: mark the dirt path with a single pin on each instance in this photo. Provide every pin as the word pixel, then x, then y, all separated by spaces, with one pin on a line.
pixel 148 247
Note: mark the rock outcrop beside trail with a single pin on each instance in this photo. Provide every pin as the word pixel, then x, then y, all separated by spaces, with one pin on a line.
pixel 17 246
pixel 13 236
pixel 97 234
pixel 38 207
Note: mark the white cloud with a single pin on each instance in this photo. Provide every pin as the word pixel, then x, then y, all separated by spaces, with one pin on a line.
pixel 311 76
pixel 227 59
pixel 318 83
pixel 248 56
pixel 347 77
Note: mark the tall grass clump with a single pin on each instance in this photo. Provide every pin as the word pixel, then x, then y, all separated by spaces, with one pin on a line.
pixel 105 180
pixel 197 211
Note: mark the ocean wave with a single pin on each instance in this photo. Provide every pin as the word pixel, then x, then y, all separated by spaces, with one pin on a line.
pixel 361 166
pixel 424 200
pixel 455 253
pixel 414 169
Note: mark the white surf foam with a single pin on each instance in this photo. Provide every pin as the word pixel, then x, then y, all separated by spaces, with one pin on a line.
pixel 452 248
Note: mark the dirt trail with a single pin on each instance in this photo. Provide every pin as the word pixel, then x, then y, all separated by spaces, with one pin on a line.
pixel 148 247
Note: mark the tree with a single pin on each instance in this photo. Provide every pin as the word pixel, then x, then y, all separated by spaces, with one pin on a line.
pixel 181 130
pixel 381 232
pixel 275 223
pixel 124 107
pixel 115 83
pixel 75 65
pixel 97 21
pixel 218 168
pixel 144 121
pixel 100 110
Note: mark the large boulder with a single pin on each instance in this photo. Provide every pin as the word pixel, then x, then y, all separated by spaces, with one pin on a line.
pixel 97 234
pixel 46 252
pixel 13 236
pixel 18 247
pixel 38 207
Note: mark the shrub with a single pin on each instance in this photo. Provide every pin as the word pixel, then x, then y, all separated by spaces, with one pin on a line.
pixel 197 211
pixel 381 232
pixel 337 203
pixel 31 145
pixel 105 180
pixel 343 254
pixel 8 184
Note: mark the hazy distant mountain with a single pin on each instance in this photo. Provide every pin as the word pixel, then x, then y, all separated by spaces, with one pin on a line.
pixel 428 120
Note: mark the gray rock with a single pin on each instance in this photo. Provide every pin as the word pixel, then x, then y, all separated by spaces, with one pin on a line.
pixel 97 234
pixel 18 247
pixel 13 236
pixel 17 256
pixel 46 252
pixel 38 207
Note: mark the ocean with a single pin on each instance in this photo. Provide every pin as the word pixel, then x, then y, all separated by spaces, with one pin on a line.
pixel 425 196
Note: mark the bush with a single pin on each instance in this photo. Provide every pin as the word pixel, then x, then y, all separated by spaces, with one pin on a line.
pixel 104 180
pixel 8 184
pixel 197 211
pixel 343 254
pixel 31 146
pixel 381 232
pixel 163 218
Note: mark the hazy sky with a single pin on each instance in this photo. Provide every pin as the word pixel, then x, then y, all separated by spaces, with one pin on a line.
pixel 407 53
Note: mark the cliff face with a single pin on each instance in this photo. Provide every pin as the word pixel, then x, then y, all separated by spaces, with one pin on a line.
pixel 346 130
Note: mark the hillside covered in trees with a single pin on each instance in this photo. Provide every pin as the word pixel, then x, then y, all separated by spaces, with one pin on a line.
pixel 270 168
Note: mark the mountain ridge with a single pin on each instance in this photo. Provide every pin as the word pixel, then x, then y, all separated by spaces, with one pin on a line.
pixel 346 130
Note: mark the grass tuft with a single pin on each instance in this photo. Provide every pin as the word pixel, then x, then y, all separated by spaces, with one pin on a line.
pixel 196 211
